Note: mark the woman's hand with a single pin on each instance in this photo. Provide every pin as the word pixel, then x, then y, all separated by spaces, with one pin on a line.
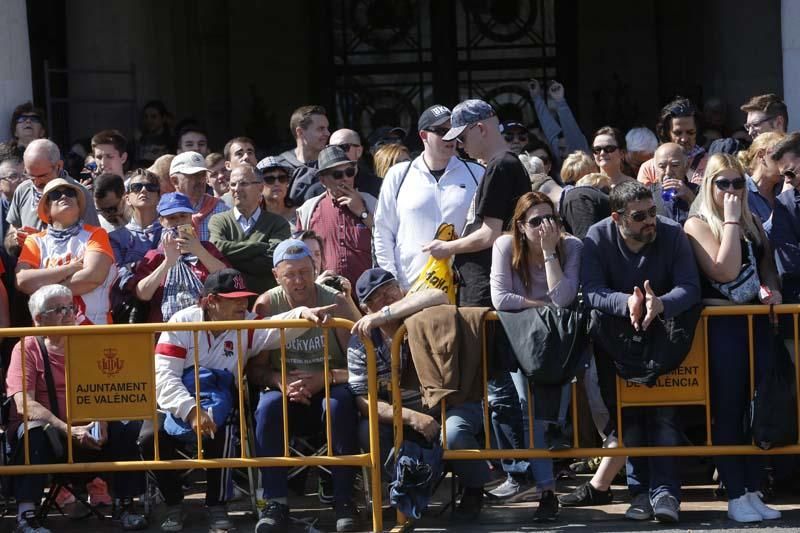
pixel 731 208
pixel 549 235
pixel 774 298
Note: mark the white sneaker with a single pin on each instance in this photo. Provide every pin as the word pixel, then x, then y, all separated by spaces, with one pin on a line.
pixel 740 510
pixel 767 513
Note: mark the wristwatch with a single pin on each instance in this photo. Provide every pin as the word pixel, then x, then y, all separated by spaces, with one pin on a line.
pixel 386 312
pixel 364 215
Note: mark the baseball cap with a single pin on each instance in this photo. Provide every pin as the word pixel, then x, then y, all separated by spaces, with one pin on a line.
pixel 385 135
pixel 228 283
pixel 512 124
pixel 370 280
pixel 466 113
pixel 435 115
pixel 290 249
pixel 187 163
pixel 274 162
pixel 174 202
pixel 53 185
pixel 331 156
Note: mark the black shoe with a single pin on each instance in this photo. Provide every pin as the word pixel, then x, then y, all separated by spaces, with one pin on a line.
pixel 469 508
pixel 274 518
pixel 346 517
pixel 586 496
pixel 325 488
pixel 555 439
pixel 548 508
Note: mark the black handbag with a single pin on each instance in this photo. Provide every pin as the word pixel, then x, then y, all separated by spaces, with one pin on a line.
pixel 772 415
pixel 643 356
pixel 56 439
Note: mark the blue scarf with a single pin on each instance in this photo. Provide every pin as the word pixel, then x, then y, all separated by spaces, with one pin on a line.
pixel 63 235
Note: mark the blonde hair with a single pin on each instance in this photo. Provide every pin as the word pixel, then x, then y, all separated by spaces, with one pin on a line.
pixel 595 179
pixel 764 142
pixel 576 165
pixel 713 213
pixel 386 157
pixel 532 164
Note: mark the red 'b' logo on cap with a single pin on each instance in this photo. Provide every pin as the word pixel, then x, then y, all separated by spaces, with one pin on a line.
pixel 238 283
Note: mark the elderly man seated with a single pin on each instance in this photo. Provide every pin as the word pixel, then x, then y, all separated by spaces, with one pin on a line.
pixel 386 307
pixel 52 305
pixel 224 298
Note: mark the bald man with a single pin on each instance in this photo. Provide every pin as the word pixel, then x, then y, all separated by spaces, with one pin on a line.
pixel 350 142
pixel 675 191
pixel 43 163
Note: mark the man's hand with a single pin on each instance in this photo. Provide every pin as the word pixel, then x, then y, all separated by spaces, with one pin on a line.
pixel 351 198
pixel 438 249
pixel 204 421
pixel 653 304
pixel 775 298
pixel 190 245
pixel 635 303
pixel 83 437
pixel 302 385
pixel 534 87
pixel 366 324
pixel 426 425
pixel 20 234
pixel 681 190
pixel 347 288
pixel 555 91
pixel 171 249
pixel 319 315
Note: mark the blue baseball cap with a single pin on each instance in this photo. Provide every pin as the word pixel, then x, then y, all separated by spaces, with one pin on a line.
pixel 370 280
pixel 174 202
pixel 290 249
pixel 466 113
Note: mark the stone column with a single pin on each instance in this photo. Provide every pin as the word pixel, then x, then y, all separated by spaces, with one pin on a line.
pixel 15 62
pixel 790 42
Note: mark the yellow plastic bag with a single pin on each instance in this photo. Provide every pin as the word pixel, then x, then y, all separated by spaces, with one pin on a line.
pixel 438 273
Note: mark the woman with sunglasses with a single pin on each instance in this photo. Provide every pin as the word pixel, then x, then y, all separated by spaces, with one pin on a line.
pixel 27 124
pixel 608 148
pixel 736 267
pixel 69 252
pixel 533 265
pixel 277 174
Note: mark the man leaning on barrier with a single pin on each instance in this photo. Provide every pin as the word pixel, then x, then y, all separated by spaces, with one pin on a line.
pixel 382 299
pixel 52 305
pixel 224 298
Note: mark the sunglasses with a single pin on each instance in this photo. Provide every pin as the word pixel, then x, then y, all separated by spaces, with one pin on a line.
pixel 463 134
pixel 610 149
pixel 438 131
pixel 56 195
pixel 113 210
pixel 149 187
pixel 725 184
pixel 535 222
pixel 339 174
pixel 346 146
pixel 62 310
pixel 522 137
pixel 36 119
pixel 640 216
pixel 15 176
pixel 281 178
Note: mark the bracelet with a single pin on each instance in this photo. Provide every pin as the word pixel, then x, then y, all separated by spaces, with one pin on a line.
pixel 550 257
pixel 730 222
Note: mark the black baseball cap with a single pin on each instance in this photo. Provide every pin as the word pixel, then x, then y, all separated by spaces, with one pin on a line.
pixel 228 283
pixel 435 115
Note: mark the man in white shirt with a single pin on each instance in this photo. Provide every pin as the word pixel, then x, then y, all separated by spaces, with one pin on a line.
pixel 416 197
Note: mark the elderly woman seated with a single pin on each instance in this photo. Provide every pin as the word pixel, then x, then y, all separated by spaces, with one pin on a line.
pixel 69 252
pixel 52 305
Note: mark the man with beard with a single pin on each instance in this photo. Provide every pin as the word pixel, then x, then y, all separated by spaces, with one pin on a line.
pixel 639 265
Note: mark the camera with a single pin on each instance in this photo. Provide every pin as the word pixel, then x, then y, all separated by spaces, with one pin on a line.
pixel 334 282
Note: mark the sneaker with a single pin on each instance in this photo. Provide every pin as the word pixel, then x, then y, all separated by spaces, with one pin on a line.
pixel 740 510
pixel 510 487
pixel 548 508
pixel 667 509
pixel 98 492
pixel 29 523
pixel 346 517
pixel 274 518
pixel 555 439
pixel 325 488
pixel 125 513
pixel 218 517
pixel 767 513
pixel 469 508
pixel 173 518
pixel 586 495
pixel 640 508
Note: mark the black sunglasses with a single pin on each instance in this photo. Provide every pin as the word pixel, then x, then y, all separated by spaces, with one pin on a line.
pixel 36 119
pixel 610 149
pixel 56 195
pixel 346 146
pixel 535 222
pixel 640 216
pixel 282 178
pixel 519 136
pixel 438 131
pixel 339 174
pixel 725 184
pixel 149 187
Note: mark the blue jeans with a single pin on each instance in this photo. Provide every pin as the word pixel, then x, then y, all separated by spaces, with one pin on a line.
pixel 307 420
pixel 464 424
pixel 652 426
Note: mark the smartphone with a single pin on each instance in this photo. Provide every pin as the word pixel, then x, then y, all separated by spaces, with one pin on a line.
pixel 186 231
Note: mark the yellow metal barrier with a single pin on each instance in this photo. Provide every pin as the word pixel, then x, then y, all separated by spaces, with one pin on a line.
pixel 691 393
pixel 124 355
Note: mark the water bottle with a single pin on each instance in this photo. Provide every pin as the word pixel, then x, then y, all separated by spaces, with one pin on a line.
pixel 669 195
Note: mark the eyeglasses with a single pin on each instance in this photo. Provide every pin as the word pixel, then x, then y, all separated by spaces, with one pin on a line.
pixel 535 222
pixel 113 210
pixel 15 176
pixel 463 134
pixel 522 137
pixel 753 125
pixel 237 184
pixel 724 184
pixel 36 119
pixel 340 174
pixel 438 131
pixel 346 146
pixel 149 187
pixel 62 310
pixel 271 179
pixel 610 149
pixel 56 195
pixel 640 216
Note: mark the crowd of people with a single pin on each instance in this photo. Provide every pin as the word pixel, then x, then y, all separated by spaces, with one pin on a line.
pixel 641 226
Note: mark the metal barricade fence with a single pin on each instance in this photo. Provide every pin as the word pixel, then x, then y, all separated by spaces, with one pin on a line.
pixel 121 359
pixel 669 395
